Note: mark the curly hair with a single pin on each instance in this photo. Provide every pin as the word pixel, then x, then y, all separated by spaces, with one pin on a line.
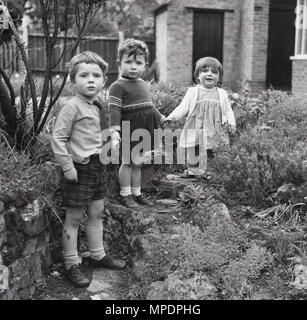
pixel 134 47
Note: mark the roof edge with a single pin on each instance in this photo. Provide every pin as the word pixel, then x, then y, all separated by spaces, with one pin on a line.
pixel 161 8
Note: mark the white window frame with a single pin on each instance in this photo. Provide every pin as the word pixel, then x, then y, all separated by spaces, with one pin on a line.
pixel 301 25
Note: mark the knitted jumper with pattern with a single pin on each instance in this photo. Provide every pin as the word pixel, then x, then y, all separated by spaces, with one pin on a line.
pixel 126 95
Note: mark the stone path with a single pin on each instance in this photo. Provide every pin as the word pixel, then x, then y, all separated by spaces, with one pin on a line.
pixel 108 285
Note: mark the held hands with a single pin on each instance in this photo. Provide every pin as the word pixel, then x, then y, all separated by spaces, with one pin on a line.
pixel 71 175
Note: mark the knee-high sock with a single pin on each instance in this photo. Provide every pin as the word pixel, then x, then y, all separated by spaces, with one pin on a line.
pixel 71 258
pixel 94 232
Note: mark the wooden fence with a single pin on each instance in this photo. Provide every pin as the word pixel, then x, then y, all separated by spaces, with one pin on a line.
pixel 106 47
pixel 9 58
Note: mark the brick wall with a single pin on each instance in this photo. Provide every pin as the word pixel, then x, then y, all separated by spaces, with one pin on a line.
pixel 299 76
pixel 244 46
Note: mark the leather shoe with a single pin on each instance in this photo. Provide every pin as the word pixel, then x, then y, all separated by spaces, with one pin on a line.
pixel 107 262
pixel 128 201
pixel 76 276
pixel 142 200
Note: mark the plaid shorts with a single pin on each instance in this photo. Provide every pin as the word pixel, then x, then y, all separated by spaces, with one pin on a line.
pixel 91 184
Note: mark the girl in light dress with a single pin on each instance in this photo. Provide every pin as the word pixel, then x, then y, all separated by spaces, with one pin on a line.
pixel 209 117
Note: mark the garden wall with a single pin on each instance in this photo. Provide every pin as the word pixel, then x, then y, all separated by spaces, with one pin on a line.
pixel 27 246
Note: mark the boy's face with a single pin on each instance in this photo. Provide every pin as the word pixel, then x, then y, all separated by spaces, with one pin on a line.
pixel 132 66
pixel 208 77
pixel 89 79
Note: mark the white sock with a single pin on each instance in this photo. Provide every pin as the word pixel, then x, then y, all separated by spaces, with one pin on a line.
pixel 71 258
pixel 125 191
pixel 94 234
pixel 136 191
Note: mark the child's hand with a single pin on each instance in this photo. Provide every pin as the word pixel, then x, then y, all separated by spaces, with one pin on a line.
pixel 232 130
pixel 169 120
pixel 71 175
pixel 115 139
pixel 163 118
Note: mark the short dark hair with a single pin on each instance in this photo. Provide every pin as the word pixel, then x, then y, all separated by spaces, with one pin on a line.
pixel 209 62
pixel 86 57
pixel 133 47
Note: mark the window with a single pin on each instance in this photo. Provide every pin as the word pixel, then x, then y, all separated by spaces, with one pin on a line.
pixel 301 28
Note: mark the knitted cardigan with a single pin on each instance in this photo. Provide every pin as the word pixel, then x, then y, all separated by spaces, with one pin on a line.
pixel 188 103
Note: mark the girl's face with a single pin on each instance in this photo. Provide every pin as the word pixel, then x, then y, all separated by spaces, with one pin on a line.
pixel 133 66
pixel 208 77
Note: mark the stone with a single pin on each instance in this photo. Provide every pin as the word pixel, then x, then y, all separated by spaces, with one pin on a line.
pixel 168 202
pixel 18 266
pixel 300 277
pixel 30 246
pixel 220 210
pixel 109 283
pixel 285 189
pixel 33 222
pixel 157 291
pixel 4 278
pixel 197 287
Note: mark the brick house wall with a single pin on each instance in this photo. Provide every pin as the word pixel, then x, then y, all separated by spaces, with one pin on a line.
pixel 244 45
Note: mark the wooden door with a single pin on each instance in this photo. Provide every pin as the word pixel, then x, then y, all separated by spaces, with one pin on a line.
pixel 208 31
pixel 281 44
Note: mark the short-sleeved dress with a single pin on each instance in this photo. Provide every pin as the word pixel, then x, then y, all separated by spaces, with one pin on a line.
pixel 204 125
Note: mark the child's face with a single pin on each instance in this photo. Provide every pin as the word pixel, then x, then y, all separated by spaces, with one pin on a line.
pixel 133 66
pixel 89 79
pixel 208 77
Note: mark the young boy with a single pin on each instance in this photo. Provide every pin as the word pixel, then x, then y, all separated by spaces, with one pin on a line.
pixel 130 102
pixel 77 143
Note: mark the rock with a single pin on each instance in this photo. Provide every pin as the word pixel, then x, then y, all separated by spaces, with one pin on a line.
pixel 300 274
pixel 108 284
pixel 168 202
pixel 33 221
pixel 263 294
pixel 265 128
pixel 157 291
pixel 197 287
pixel 220 211
pixel 4 278
pixel 285 189
pixel 171 188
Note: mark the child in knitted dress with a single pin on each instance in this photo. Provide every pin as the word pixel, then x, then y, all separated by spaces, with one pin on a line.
pixel 132 113
pixel 210 118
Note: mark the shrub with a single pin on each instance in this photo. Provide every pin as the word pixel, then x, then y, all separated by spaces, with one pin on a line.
pixel 259 161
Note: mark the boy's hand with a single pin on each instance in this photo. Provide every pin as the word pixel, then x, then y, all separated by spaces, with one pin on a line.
pixel 71 175
pixel 115 139
pixel 163 118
